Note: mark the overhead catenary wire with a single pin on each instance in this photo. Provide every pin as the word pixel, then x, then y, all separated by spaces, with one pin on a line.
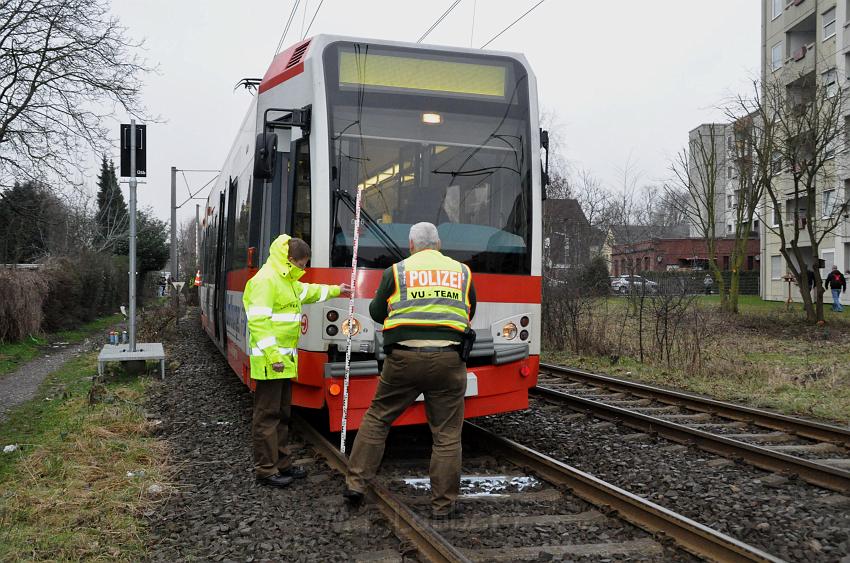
pixel 439 20
pixel 286 28
pixel 304 16
pixel 316 13
pixel 512 24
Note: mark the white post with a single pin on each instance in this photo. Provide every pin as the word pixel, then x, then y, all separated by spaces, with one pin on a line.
pixel 132 320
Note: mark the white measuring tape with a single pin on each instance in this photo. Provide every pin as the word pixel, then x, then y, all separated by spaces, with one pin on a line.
pixel 350 321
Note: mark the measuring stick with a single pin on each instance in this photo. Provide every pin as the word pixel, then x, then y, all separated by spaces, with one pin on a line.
pixel 350 321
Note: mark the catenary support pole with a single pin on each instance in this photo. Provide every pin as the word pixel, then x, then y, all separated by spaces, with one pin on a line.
pixel 132 249
pixel 175 274
pixel 197 236
pixel 345 381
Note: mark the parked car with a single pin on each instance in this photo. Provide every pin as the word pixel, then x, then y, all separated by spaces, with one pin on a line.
pixel 626 284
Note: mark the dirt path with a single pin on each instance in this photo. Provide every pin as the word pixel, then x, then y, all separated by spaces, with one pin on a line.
pixel 21 385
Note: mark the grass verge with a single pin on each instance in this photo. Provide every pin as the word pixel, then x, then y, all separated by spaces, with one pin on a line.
pixel 86 469
pixel 13 355
pixel 767 356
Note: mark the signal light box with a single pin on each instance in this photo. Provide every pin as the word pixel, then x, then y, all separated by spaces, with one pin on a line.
pixel 141 151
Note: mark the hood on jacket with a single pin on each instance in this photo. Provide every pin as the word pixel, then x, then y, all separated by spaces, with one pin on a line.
pixel 279 258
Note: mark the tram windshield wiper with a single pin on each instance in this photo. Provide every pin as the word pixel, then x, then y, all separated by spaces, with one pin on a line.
pixel 379 232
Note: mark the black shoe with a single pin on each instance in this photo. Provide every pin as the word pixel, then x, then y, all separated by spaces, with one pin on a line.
pixel 294 472
pixel 278 480
pixel 353 498
pixel 450 514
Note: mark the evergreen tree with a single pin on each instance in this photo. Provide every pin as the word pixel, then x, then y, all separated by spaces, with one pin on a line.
pixel 112 215
pixel 31 222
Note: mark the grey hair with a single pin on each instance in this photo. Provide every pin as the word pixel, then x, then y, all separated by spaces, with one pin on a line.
pixel 424 235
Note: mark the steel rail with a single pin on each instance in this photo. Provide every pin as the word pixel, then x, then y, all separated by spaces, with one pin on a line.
pixel 690 535
pixel 811 472
pixel 430 544
pixel 808 429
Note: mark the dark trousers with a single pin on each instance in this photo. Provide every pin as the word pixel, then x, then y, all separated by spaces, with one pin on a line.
pixel 441 377
pixel 270 426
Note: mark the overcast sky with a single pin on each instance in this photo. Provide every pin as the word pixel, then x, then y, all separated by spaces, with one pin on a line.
pixel 627 80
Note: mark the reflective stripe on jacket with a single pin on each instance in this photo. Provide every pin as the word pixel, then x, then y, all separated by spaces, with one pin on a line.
pixel 430 290
pixel 273 299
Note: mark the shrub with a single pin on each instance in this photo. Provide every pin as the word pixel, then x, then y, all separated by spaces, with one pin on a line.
pixel 23 294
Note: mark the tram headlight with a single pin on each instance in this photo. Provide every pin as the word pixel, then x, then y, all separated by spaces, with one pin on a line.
pixel 355 327
pixel 432 118
pixel 524 322
pixel 509 331
pixel 332 316
pixel 332 330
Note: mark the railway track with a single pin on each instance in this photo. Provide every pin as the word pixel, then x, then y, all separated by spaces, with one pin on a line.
pixel 815 452
pixel 512 495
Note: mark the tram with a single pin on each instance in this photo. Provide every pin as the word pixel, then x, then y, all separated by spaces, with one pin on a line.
pixel 440 134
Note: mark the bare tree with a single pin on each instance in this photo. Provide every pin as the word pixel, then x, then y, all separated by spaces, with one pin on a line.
pixel 695 189
pixel 752 148
pixel 65 65
pixel 808 120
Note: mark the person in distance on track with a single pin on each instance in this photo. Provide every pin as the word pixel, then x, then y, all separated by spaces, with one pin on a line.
pixel 273 299
pixel 425 304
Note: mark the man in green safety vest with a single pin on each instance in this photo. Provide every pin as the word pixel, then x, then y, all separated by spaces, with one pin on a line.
pixel 425 304
pixel 273 299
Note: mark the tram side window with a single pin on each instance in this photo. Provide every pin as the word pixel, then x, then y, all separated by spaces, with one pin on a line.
pixel 301 193
pixel 240 243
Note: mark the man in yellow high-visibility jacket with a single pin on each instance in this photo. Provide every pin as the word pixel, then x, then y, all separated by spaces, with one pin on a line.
pixel 273 299
pixel 425 304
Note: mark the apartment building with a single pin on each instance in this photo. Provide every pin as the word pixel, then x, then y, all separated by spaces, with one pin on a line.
pixel 718 139
pixel 807 42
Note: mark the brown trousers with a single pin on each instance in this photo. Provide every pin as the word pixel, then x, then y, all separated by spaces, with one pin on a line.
pixel 270 426
pixel 441 377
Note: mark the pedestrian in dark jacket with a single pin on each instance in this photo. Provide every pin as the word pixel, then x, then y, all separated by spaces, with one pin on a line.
pixel 836 282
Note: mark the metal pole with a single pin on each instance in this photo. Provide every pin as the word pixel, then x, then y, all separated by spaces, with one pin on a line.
pixel 197 236
pixel 132 235
pixel 175 273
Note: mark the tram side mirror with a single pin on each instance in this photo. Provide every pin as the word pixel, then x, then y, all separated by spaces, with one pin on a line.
pixel 265 156
pixel 544 168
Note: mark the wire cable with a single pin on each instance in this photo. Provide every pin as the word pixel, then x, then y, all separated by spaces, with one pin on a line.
pixel 512 24
pixel 286 29
pixel 440 19
pixel 316 13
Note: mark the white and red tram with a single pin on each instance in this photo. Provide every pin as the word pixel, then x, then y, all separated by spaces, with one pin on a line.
pixel 439 134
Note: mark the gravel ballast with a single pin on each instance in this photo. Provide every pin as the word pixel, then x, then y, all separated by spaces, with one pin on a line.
pixel 785 517
pixel 216 512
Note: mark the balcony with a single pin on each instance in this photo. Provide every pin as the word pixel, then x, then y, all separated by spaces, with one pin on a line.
pixel 798 9
pixel 800 45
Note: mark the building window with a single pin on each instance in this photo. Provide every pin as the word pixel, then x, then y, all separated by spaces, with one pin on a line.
pixel 776 267
pixel 828 18
pixel 777 217
pixel 828 261
pixel 728 202
pixel 755 226
pixel 776 163
pixel 830 82
pixel 725 262
pixel 828 203
pixel 776 56
pixel 777 8
pixel 728 228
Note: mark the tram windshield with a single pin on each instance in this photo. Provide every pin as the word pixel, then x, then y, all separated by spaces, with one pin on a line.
pixel 434 137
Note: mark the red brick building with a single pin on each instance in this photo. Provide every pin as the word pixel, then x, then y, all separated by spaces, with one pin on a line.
pixel 666 254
